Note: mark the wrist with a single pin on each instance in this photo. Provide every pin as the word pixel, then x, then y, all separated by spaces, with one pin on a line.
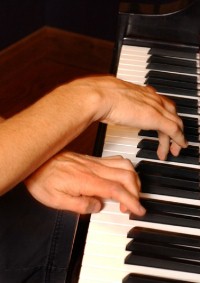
pixel 85 99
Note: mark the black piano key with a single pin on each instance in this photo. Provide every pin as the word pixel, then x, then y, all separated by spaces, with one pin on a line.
pixel 149 154
pixel 172 171
pixel 170 191
pixel 148 144
pixel 147 234
pixel 191 129
pixel 164 250
pixel 188 134
pixel 185 105
pixel 170 213
pixel 148 133
pixel 174 53
pixel 175 90
pixel 191 137
pixel 151 188
pixel 148 149
pixel 182 101
pixel 152 145
pixel 190 122
pixel 169 219
pixel 171 68
pixel 172 207
pixel 186 110
pixel 172 76
pixel 172 61
pixel 157 262
pixel 190 125
pixel 187 130
pixel 167 82
pixel 191 134
pixel 153 179
pixel 163 178
pixel 140 278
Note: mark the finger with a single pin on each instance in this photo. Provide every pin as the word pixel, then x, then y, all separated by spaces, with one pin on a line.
pixel 152 93
pixel 169 125
pixel 118 163
pixel 169 104
pixel 164 140
pixel 116 169
pixel 128 178
pixel 107 189
pixel 170 113
pixel 111 170
pixel 174 148
pixel 123 208
pixel 163 147
pixel 171 108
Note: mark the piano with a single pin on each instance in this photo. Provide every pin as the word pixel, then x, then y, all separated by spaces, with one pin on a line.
pixel 161 50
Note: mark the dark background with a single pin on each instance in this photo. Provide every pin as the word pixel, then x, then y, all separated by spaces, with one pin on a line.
pixel 19 18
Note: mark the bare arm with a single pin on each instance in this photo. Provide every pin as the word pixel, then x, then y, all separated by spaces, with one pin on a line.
pixel 33 136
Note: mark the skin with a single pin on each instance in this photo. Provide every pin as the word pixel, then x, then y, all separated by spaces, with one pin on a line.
pixel 70 181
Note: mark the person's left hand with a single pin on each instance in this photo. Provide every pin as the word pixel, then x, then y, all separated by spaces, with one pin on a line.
pixel 79 183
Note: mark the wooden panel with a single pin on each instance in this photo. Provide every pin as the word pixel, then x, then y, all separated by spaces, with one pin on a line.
pixel 44 60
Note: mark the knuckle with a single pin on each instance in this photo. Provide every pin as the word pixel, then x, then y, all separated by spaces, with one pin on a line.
pixel 120 157
pixel 175 129
pixel 115 190
pixel 127 164
pixel 172 106
pixel 180 123
pixel 131 177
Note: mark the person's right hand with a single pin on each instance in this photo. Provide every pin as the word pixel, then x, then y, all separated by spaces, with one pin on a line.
pixel 128 104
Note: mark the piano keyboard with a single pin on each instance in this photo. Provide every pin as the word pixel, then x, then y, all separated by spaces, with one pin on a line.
pixel 122 248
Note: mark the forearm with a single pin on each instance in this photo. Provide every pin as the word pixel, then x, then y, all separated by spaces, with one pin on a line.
pixel 31 137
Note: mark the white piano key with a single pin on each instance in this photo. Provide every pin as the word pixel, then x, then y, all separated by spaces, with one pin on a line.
pixel 124 137
pixel 104 229
pixel 106 259
pixel 114 270
pixel 119 219
pixel 128 49
pixel 129 152
pixel 104 255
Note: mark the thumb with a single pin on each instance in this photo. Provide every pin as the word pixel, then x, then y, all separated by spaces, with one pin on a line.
pixel 84 205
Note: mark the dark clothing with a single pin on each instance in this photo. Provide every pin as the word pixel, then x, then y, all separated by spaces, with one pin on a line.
pixel 35 241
